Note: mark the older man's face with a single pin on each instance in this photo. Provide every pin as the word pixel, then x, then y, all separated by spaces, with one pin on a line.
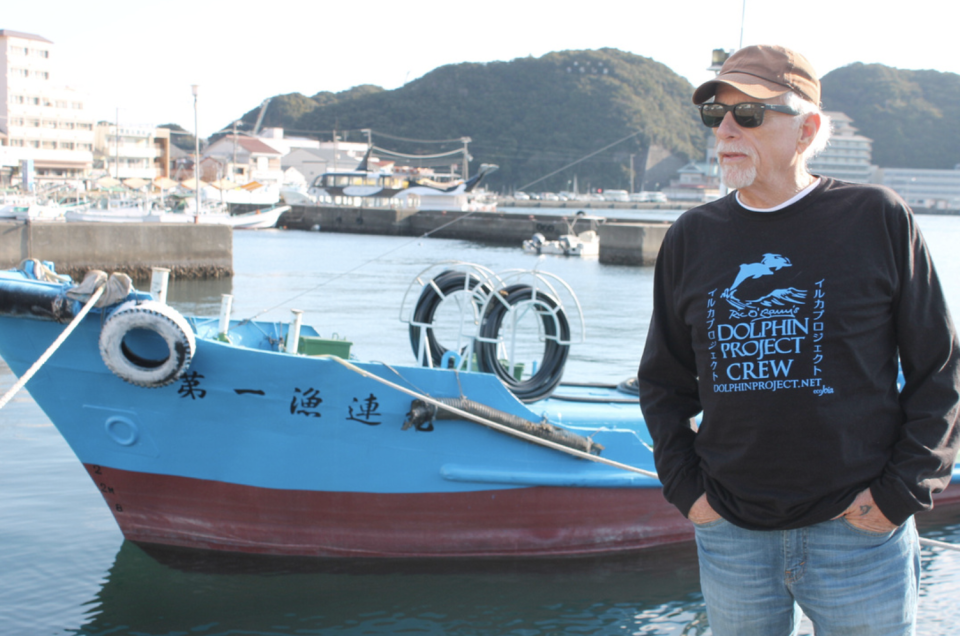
pixel 755 157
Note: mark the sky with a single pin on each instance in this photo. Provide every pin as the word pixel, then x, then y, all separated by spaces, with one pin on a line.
pixel 136 61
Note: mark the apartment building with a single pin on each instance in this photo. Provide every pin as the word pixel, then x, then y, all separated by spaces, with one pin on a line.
pixel 43 122
pixel 124 152
pixel 848 155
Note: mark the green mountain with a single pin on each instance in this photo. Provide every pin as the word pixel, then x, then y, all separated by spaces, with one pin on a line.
pixel 913 117
pixel 531 116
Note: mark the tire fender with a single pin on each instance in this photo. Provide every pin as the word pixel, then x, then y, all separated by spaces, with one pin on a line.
pixel 165 322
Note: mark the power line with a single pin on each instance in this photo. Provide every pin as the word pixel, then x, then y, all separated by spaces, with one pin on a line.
pixel 420 141
pixel 570 165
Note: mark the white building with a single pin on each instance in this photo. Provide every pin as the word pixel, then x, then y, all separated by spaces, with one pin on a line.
pixel 242 159
pixel 43 121
pixel 697 182
pixel 139 151
pixel 921 188
pixel 848 154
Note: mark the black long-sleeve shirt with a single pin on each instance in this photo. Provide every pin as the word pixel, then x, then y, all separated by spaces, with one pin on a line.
pixel 786 329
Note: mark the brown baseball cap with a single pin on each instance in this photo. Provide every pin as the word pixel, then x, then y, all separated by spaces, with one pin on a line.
pixel 764 72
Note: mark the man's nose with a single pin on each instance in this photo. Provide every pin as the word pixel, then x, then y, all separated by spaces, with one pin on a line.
pixel 728 126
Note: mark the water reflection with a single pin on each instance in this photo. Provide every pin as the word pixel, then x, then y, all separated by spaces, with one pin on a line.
pixel 197 297
pixel 161 591
pixel 151 590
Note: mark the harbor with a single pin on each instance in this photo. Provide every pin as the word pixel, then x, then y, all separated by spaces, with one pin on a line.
pixel 352 348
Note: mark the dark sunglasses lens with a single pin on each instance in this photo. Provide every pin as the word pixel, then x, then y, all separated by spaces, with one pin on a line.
pixel 712 114
pixel 748 115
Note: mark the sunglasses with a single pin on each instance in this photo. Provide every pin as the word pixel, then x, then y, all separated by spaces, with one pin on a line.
pixel 746 114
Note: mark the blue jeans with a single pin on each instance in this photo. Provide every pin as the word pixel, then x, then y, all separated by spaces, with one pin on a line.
pixel 847 581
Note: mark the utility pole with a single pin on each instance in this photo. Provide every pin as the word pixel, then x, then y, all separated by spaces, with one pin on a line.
pixel 466 158
pixel 195 88
pixel 116 143
pixel 233 169
pixel 632 173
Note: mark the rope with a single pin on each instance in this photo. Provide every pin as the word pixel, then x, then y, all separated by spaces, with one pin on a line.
pixel 361 265
pixel 491 424
pixel 939 544
pixel 52 348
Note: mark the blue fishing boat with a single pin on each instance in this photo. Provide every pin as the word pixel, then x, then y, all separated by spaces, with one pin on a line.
pixel 263 437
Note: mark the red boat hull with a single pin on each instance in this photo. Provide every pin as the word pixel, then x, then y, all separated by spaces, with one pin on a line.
pixel 529 522
pixel 538 521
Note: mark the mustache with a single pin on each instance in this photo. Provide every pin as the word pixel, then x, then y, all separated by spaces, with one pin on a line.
pixel 723 147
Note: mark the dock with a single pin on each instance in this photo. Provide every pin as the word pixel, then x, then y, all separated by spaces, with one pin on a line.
pixel 188 251
pixel 622 242
pixel 206 251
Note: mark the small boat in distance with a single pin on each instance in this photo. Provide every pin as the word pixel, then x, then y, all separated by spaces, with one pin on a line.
pixel 585 243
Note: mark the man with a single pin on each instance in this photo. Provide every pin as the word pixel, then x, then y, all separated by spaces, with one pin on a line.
pixel 782 313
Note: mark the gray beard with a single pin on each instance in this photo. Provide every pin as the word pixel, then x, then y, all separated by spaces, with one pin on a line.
pixel 738 178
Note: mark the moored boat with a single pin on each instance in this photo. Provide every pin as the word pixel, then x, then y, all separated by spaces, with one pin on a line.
pixel 584 243
pixel 398 187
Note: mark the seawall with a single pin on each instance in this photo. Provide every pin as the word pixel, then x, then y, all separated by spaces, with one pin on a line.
pixel 189 251
pixel 621 242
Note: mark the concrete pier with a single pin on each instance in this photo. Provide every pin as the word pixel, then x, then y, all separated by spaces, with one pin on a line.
pixel 189 251
pixel 631 243
pixel 621 242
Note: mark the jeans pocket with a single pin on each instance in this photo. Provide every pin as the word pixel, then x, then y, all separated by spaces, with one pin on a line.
pixel 710 524
pixel 870 533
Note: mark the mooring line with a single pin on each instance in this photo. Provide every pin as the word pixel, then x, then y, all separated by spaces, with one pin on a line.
pixel 489 423
pixel 361 265
pixel 53 347
pixel 939 544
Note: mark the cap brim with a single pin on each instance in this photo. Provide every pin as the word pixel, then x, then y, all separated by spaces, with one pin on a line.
pixel 748 84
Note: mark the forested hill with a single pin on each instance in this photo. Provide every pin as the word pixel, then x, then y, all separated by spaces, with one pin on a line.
pixel 531 116
pixel 913 117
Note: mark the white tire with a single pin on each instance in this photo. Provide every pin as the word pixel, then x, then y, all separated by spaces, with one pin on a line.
pixel 162 320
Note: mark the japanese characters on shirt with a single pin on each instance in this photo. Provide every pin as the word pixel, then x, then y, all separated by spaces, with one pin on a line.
pixel 763 336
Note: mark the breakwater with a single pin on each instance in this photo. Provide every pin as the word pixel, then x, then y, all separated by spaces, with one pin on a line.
pixel 188 251
pixel 621 241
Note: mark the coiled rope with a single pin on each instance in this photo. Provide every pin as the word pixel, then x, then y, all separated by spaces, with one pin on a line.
pixel 556 332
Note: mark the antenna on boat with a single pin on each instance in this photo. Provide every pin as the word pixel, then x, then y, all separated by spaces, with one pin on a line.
pixel 743 15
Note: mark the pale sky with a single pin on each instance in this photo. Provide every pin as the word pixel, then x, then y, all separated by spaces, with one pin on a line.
pixel 142 57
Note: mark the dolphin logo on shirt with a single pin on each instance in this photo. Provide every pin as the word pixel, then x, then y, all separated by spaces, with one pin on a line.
pixel 770 265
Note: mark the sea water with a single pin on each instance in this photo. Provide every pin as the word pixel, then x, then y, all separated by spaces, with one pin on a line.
pixel 65 568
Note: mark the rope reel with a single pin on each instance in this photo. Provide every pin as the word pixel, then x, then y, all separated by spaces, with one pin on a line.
pixel 494 325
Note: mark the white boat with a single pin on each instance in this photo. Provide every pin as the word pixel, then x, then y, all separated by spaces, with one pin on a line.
pixel 47 211
pixel 215 214
pixel 115 210
pixel 586 243
pixel 403 188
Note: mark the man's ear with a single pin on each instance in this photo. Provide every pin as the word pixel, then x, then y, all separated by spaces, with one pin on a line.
pixel 808 131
